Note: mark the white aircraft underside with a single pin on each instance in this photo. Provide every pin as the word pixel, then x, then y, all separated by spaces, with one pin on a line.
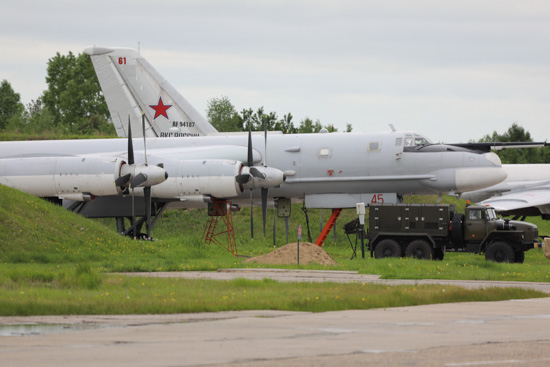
pixel 525 192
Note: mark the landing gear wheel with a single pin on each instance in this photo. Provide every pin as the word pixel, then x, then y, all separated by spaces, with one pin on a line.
pixel 419 249
pixel 500 252
pixel 387 248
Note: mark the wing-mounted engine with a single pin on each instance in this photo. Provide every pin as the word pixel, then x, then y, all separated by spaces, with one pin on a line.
pixel 138 175
pixel 132 175
pixel 210 177
pixel 257 177
pixel 74 178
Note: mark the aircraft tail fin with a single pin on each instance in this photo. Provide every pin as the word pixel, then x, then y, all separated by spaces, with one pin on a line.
pixel 131 85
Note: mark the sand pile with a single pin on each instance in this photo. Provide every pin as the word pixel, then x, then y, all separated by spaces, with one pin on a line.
pixel 310 253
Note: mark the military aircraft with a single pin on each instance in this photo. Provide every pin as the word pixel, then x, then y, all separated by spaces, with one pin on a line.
pixel 524 193
pixel 183 162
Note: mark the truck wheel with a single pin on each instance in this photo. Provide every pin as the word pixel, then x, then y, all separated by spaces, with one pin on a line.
pixel 387 248
pixel 457 230
pixel 519 257
pixel 500 252
pixel 420 249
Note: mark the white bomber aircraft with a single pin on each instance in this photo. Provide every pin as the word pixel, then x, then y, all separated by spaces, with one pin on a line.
pixel 188 164
pixel 524 193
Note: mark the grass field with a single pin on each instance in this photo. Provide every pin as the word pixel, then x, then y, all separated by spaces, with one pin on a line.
pixel 56 262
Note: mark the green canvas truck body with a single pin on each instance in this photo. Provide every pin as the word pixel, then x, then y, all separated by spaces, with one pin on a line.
pixel 427 231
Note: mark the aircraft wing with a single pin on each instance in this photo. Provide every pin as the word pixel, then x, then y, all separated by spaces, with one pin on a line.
pixel 487 147
pixel 532 201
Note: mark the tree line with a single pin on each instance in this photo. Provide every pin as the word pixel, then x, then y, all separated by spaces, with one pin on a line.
pixel 517 133
pixel 224 117
pixel 73 103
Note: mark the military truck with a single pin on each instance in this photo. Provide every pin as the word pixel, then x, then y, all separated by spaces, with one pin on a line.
pixel 427 231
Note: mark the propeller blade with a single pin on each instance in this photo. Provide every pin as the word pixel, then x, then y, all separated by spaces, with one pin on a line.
pixel 130 144
pixel 144 140
pixel 133 216
pixel 242 179
pixel 256 173
pixel 123 180
pixel 147 193
pixel 138 180
pixel 274 229
pixel 251 216
pixel 265 133
pixel 264 206
pixel 250 161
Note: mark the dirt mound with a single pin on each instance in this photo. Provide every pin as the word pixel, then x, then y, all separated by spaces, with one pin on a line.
pixel 310 253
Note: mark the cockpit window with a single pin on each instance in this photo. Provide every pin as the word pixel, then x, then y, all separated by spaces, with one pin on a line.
pixel 415 140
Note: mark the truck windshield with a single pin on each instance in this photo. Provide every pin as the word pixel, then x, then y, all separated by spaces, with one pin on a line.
pixel 491 214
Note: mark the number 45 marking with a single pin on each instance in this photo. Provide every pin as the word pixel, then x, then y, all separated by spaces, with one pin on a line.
pixel 377 199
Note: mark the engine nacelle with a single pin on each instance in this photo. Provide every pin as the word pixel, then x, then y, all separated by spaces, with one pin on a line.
pixel 151 175
pixel 62 176
pixel 214 177
pixel 262 177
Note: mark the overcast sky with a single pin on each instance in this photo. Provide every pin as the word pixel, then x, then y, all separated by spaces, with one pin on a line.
pixel 452 70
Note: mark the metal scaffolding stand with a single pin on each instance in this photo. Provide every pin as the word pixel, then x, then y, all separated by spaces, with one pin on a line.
pixel 216 210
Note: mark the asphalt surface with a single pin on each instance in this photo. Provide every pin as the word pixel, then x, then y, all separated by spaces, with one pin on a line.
pixel 503 333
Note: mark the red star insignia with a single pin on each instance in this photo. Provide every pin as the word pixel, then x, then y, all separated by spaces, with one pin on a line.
pixel 160 109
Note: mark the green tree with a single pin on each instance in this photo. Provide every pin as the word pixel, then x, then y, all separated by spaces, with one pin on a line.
pixel 246 118
pixel 222 114
pixel 10 104
pixel 286 125
pixel 257 119
pixel 74 96
pixel 308 126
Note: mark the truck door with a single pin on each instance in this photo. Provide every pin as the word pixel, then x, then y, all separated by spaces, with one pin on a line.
pixel 475 228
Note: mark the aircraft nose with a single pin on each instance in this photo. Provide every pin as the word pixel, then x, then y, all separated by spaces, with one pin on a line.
pixel 469 179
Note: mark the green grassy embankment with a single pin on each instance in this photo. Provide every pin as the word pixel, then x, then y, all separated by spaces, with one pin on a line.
pixel 54 262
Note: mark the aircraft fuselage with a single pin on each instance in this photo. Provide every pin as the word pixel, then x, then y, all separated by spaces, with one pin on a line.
pixel 344 166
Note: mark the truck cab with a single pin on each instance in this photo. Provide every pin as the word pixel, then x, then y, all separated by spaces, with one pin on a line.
pixel 500 240
pixel 477 223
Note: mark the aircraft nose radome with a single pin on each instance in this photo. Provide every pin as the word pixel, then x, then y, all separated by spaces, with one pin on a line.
pixel 469 179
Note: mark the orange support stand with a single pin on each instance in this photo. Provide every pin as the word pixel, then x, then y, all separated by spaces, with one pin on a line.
pixel 221 209
pixel 328 227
